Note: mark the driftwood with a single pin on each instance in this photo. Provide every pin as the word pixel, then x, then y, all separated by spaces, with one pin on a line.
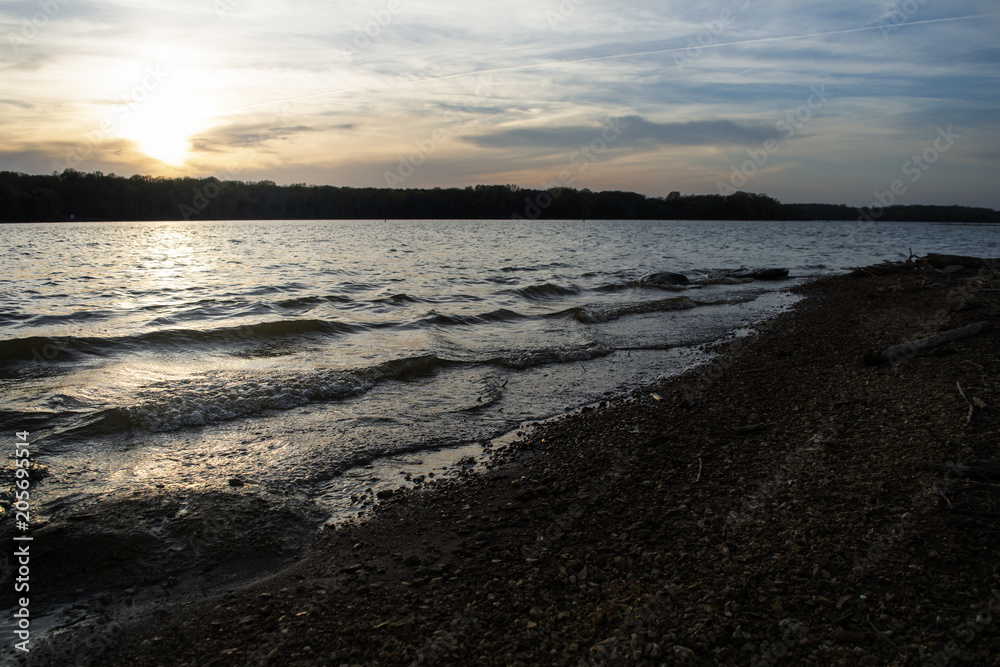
pixel 885 268
pixel 933 260
pixel 898 353
pixel 769 274
pixel 939 261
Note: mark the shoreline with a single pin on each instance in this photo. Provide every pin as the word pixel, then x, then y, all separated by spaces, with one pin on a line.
pixel 780 500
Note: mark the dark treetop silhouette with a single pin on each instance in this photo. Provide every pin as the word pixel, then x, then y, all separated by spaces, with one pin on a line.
pixel 97 196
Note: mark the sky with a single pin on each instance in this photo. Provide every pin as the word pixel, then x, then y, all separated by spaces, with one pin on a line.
pixel 809 101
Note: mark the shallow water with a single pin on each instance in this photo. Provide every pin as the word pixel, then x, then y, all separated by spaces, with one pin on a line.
pixel 313 357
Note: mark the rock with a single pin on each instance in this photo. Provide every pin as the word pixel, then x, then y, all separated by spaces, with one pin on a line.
pixel 683 652
pixel 233 481
pixel 744 275
pixel 769 274
pixel 412 560
pixel 663 279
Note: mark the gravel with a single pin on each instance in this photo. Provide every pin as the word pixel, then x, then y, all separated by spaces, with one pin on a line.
pixel 782 504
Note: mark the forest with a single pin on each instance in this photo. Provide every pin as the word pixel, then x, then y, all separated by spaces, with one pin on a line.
pixel 73 195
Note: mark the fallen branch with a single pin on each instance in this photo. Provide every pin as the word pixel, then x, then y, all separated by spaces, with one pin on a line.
pixel 939 261
pixel 879 269
pixel 898 353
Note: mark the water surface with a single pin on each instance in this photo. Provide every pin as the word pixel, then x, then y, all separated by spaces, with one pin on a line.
pixel 314 357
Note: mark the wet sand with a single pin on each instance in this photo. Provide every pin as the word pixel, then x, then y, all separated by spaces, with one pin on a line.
pixel 784 504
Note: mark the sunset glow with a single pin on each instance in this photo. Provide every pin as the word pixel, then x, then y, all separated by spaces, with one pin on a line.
pixel 417 94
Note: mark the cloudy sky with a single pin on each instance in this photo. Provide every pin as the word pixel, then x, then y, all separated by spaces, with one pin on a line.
pixel 826 101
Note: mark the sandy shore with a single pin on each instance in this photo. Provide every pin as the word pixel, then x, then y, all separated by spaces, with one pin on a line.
pixel 784 504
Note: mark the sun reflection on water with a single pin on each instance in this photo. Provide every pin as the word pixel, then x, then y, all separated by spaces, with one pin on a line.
pixel 165 263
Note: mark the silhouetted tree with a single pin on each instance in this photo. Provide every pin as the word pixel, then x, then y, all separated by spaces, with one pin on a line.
pixel 96 196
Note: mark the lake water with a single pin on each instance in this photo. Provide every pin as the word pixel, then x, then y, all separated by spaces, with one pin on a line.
pixel 323 358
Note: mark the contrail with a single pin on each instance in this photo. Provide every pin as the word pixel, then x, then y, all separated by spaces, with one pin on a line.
pixel 613 56
pixel 777 39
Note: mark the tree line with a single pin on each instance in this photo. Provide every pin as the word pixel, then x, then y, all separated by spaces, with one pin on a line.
pixel 96 196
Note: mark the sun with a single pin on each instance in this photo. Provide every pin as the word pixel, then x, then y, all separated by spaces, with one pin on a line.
pixel 162 126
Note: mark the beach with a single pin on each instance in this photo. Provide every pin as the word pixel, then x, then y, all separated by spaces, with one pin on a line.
pixel 577 334
pixel 785 503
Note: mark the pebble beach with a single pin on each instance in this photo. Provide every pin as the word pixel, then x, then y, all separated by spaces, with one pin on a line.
pixel 785 503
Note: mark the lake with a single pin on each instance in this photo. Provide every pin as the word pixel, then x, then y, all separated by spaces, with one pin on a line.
pixel 327 358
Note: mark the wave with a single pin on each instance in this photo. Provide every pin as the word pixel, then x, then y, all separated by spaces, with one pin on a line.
pixel 18 420
pixel 271 289
pixel 359 287
pixel 221 396
pixel 71 348
pixel 546 291
pixel 524 359
pixel 70 318
pixel 208 313
pixel 582 314
pixel 9 315
pixel 552 265
pixel 399 299
pixel 218 396
pixel 599 315
pixel 499 315
pixel 306 301
pixel 514 269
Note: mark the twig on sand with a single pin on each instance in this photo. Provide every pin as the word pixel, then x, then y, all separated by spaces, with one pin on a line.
pixel 883 635
pixel 698 478
pixel 968 419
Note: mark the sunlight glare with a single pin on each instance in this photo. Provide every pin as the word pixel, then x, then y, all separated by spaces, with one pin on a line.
pixel 162 127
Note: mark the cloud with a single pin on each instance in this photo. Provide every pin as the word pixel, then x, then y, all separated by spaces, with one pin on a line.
pixel 275 76
pixel 244 135
pixel 636 131
pixel 112 155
